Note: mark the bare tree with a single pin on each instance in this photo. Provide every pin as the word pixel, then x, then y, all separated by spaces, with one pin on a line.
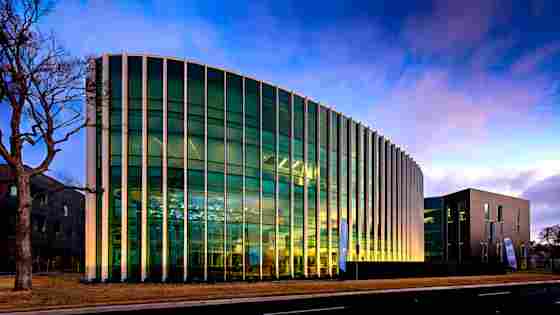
pixel 550 235
pixel 44 88
pixel 550 238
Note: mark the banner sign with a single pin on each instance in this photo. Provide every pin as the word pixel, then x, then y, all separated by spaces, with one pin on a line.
pixel 510 253
pixel 343 245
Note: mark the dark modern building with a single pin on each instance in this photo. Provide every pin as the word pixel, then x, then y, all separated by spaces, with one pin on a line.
pixel 208 175
pixel 57 222
pixel 470 226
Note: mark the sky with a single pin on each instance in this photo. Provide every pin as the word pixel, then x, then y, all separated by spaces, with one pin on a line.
pixel 469 88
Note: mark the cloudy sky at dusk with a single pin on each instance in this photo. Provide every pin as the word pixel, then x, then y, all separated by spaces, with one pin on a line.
pixel 471 90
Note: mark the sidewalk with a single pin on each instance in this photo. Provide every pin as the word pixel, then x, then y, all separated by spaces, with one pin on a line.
pixel 64 291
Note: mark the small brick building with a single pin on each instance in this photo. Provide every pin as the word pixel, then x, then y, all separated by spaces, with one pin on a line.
pixel 470 226
pixel 57 222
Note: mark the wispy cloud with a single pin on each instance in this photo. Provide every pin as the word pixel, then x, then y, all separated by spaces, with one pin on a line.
pixel 545 202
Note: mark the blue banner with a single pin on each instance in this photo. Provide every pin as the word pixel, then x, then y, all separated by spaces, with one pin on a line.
pixel 510 253
pixel 343 245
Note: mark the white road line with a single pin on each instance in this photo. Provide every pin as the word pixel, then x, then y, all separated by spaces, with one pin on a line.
pixel 494 293
pixel 335 308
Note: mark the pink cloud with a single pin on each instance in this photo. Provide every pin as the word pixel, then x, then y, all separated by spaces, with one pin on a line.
pixel 453 25
pixel 432 111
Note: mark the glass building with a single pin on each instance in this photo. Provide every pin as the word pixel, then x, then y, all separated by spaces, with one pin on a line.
pixel 206 175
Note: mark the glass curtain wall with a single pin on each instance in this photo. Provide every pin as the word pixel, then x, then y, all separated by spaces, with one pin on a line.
pixel 256 157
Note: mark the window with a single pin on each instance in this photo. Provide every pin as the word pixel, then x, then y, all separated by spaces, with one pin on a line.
pixel 13 191
pixel 57 227
pixel 486 212
pixel 484 251
pixel 499 252
pixel 65 210
pixel 500 213
pixel 518 221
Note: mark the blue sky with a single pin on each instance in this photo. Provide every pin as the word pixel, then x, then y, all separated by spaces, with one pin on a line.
pixel 469 88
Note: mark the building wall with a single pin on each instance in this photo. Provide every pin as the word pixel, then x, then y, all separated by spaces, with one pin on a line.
pixel 511 208
pixel 57 225
pixel 209 175
pixel 465 229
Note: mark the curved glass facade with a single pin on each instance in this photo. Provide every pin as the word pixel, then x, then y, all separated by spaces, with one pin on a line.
pixel 207 175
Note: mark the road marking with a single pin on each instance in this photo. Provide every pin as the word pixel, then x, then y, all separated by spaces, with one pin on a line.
pixel 494 293
pixel 557 302
pixel 335 308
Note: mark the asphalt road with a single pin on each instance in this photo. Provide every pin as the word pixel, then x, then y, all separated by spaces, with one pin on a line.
pixel 483 299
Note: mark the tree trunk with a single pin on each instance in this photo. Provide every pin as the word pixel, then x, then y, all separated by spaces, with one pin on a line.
pixel 24 262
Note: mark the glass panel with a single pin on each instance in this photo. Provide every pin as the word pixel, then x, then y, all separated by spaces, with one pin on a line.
pixel 333 189
pixel 311 173
pixel 98 149
pixel 393 203
pixel 369 166
pixel 134 212
pixel 252 179
pixel 363 192
pixel 388 199
pixel 269 176
pixel 344 184
pixel 216 147
pixel 323 171
pixel 234 176
pixel 354 138
pixel 175 165
pixel 115 143
pixel 195 177
pixel 284 170
pixel 381 184
pixel 298 180
pixel 155 163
